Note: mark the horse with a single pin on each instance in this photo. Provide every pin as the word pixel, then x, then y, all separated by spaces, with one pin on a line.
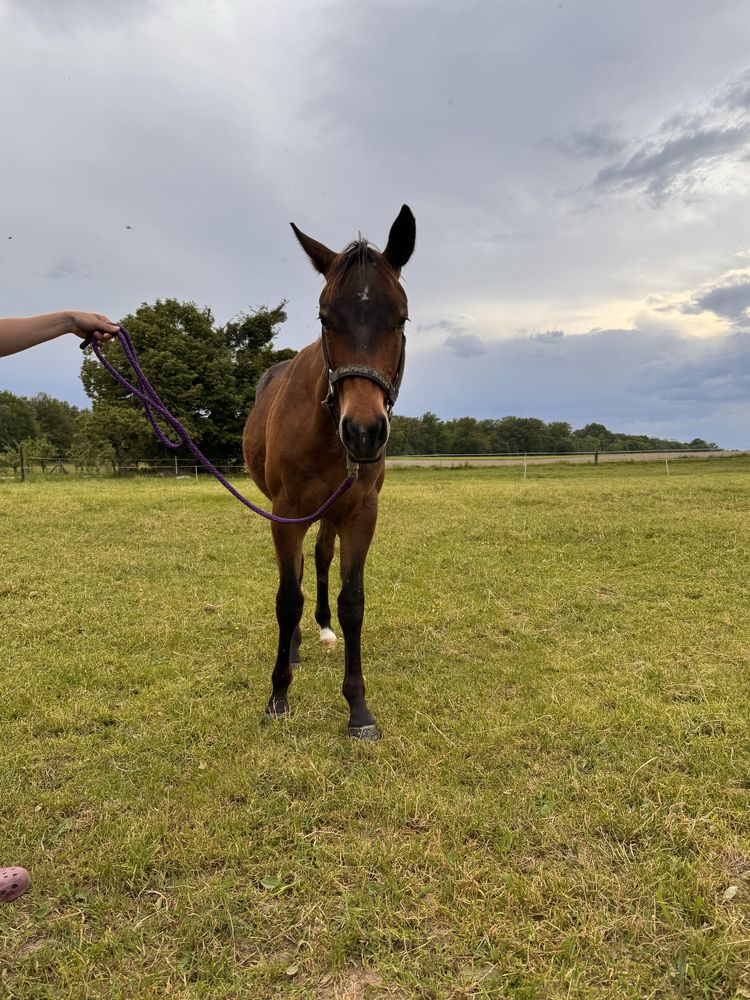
pixel 298 451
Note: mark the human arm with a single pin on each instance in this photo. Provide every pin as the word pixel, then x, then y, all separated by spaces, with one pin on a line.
pixel 19 334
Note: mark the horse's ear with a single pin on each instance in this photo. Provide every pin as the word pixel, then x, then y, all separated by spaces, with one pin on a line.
pixel 320 255
pixel 401 239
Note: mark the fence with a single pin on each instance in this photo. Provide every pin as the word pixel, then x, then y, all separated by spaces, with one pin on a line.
pixel 25 467
pixel 547 458
pixel 29 466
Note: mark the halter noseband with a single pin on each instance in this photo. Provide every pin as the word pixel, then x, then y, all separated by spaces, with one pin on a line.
pixel 335 375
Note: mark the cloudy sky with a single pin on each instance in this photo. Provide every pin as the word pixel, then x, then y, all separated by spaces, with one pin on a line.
pixel 579 171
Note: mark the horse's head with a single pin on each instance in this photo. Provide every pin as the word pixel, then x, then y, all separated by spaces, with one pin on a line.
pixel 363 312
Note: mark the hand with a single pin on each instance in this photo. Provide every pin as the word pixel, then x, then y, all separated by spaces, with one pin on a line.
pixel 83 324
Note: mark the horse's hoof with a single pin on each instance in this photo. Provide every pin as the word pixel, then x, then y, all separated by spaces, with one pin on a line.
pixel 368 733
pixel 327 638
pixel 295 664
pixel 277 708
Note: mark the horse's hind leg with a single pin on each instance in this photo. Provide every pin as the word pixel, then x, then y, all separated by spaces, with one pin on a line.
pixel 324 547
pixel 289 601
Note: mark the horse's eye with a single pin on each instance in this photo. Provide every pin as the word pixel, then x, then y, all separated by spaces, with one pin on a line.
pixel 402 322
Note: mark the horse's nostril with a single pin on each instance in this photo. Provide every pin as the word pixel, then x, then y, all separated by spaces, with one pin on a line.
pixel 384 428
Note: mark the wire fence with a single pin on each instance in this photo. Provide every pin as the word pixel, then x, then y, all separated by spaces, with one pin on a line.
pixel 33 466
pixel 551 458
pixel 19 466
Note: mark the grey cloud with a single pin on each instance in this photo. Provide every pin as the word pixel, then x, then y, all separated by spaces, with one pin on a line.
pixel 731 301
pixel 591 141
pixel 549 336
pixel 717 372
pixel 438 324
pixel 464 345
pixel 665 168
pixel 67 270
pixel 70 15
pixel 737 93
pixel 730 298
pixel 635 380
pixel 674 159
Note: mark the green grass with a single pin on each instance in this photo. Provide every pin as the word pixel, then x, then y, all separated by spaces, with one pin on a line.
pixel 559 806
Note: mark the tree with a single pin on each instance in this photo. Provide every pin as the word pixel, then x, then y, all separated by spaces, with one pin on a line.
pixel 56 420
pixel 205 375
pixel 249 337
pixel 595 435
pixel 88 449
pixel 39 449
pixel 465 437
pixel 401 440
pixel 110 433
pixel 10 457
pixel 432 434
pixel 523 434
pixel 17 420
pixel 559 438
pixel 189 364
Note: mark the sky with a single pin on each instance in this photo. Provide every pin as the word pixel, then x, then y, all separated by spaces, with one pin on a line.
pixel 579 172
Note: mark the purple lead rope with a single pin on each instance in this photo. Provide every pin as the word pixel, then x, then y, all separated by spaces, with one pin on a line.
pixel 153 405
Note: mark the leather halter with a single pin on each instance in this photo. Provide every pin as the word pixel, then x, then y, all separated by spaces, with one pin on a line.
pixel 335 375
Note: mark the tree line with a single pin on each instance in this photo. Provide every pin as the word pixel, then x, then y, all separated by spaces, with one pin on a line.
pixel 206 375
pixel 429 435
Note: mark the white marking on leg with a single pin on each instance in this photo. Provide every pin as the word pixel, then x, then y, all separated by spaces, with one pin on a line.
pixel 328 638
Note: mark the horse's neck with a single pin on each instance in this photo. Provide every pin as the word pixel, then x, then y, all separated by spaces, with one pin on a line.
pixel 312 374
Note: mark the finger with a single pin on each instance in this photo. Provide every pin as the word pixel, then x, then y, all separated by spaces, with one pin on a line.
pixel 106 323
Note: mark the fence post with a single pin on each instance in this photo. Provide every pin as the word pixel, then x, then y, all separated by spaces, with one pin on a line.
pixel 596 457
pixel 22 460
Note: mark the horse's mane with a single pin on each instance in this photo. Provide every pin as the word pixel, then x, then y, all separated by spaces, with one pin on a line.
pixel 359 253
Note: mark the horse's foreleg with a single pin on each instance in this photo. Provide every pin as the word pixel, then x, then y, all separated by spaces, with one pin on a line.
pixel 356 536
pixel 289 602
pixel 324 547
pixel 295 658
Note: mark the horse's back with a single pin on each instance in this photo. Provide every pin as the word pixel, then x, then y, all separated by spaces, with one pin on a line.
pixel 269 376
pixel 254 435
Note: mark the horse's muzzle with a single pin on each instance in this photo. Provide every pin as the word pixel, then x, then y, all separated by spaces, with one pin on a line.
pixel 364 442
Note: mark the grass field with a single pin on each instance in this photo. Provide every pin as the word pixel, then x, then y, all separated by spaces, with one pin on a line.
pixel 559 806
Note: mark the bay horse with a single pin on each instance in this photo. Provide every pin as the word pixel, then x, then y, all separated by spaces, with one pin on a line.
pixel 298 451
